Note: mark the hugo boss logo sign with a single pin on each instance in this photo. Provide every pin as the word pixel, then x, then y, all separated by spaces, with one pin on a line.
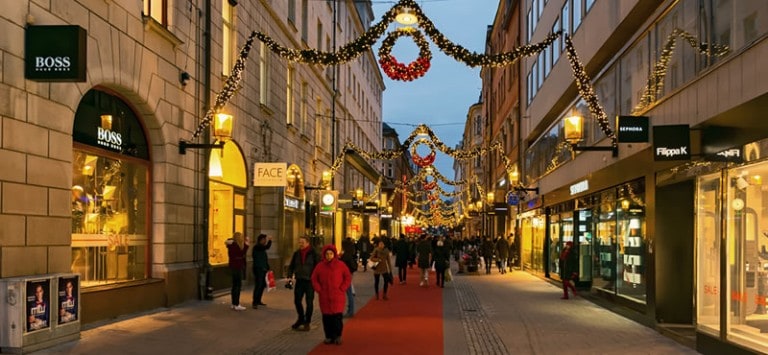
pixel 55 53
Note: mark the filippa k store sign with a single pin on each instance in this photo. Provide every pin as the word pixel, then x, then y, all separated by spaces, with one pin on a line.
pixel 55 53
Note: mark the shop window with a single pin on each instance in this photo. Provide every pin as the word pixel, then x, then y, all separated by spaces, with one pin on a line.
pixel 539 230
pixel 110 174
pixel 631 241
pixel 227 201
pixel 746 214
pixel 554 244
pixel 109 226
pixel 605 242
pixel 708 254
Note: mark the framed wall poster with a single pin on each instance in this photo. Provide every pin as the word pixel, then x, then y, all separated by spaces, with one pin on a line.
pixel 68 300
pixel 38 304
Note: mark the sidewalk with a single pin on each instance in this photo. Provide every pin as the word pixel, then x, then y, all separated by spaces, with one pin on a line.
pixel 211 327
pixel 515 313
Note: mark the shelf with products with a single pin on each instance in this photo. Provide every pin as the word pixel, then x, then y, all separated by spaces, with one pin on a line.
pixel 633 252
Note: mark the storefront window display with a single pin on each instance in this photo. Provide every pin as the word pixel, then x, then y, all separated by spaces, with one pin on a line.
pixel 226 201
pixel 109 239
pixel 708 203
pixel 110 164
pixel 747 255
pixel 631 241
pixel 539 229
pixel 566 233
pixel 554 244
pixel 605 243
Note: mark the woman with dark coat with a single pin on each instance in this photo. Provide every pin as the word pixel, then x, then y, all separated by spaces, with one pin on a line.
pixel 486 250
pixel 502 253
pixel 331 279
pixel 237 249
pixel 260 268
pixel 441 257
pixel 569 266
pixel 424 257
pixel 402 252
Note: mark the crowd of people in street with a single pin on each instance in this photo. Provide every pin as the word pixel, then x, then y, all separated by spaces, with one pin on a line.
pixel 328 272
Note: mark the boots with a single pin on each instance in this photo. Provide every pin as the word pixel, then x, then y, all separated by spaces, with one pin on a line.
pixel 377 295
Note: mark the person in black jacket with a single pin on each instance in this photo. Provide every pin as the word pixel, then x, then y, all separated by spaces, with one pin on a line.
pixel 487 249
pixel 260 268
pixel 441 257
pixel 402 253
pixel 302 264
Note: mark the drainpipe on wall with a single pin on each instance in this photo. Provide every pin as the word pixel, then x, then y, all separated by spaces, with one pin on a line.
pixel 206 291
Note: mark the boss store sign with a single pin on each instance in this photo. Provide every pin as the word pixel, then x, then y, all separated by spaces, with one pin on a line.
pixel 55 53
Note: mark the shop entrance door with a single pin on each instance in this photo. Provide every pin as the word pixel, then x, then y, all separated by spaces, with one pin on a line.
pixel 583 232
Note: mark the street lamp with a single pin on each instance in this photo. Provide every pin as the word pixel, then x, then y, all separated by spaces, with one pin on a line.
pixel 222 131
pixel 574 133
pixel 490 198
pixel 327 200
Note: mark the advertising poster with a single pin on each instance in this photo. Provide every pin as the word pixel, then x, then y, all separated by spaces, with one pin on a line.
pixel 68 302
pixel 38 304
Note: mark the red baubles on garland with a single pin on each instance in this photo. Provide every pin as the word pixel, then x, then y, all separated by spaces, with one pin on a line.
pixel 399 71
pixel 418 159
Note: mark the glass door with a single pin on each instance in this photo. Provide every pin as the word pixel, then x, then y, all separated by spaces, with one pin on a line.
pixel 584 231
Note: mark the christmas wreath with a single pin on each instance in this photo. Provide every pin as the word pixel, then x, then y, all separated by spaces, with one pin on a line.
pixel 418 159
pixel 399 71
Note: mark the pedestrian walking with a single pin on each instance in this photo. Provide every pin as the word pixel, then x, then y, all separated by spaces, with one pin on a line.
pixel 260 268
pixel 237 247
pixel 441 257
pixel 331 279
pixel 364 246
pixel 424 256
pixel 486 249
pixel 402 252
pixel 349 257
pixel 569 265
pixel 512 256
pixel 502 253
pixel 302 264
pixel 383 268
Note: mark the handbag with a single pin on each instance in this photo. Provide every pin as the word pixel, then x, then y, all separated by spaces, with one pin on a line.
pixel 270 280
pixel 448 276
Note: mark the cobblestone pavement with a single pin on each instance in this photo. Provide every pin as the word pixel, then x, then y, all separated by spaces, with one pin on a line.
pixel 516 313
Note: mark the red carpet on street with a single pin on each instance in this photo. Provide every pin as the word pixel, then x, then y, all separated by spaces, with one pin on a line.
pixel 411 321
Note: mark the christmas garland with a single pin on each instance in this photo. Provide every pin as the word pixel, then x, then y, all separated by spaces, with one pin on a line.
pixel 418 159
pixel 399 71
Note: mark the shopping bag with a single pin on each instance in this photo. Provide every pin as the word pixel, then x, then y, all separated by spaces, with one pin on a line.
pixel 448 276
pixel 270 280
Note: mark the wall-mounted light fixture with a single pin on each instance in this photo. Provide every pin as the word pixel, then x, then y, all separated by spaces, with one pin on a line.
pixel 514 179
pixel 222 131
pixel 574 133
pixel 184 78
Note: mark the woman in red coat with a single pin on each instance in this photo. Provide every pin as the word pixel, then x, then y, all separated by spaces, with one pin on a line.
pixel 331 279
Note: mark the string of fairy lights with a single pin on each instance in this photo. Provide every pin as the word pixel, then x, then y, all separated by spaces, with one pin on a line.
pixel 423 135
pixel 230 87
pixel 655 83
